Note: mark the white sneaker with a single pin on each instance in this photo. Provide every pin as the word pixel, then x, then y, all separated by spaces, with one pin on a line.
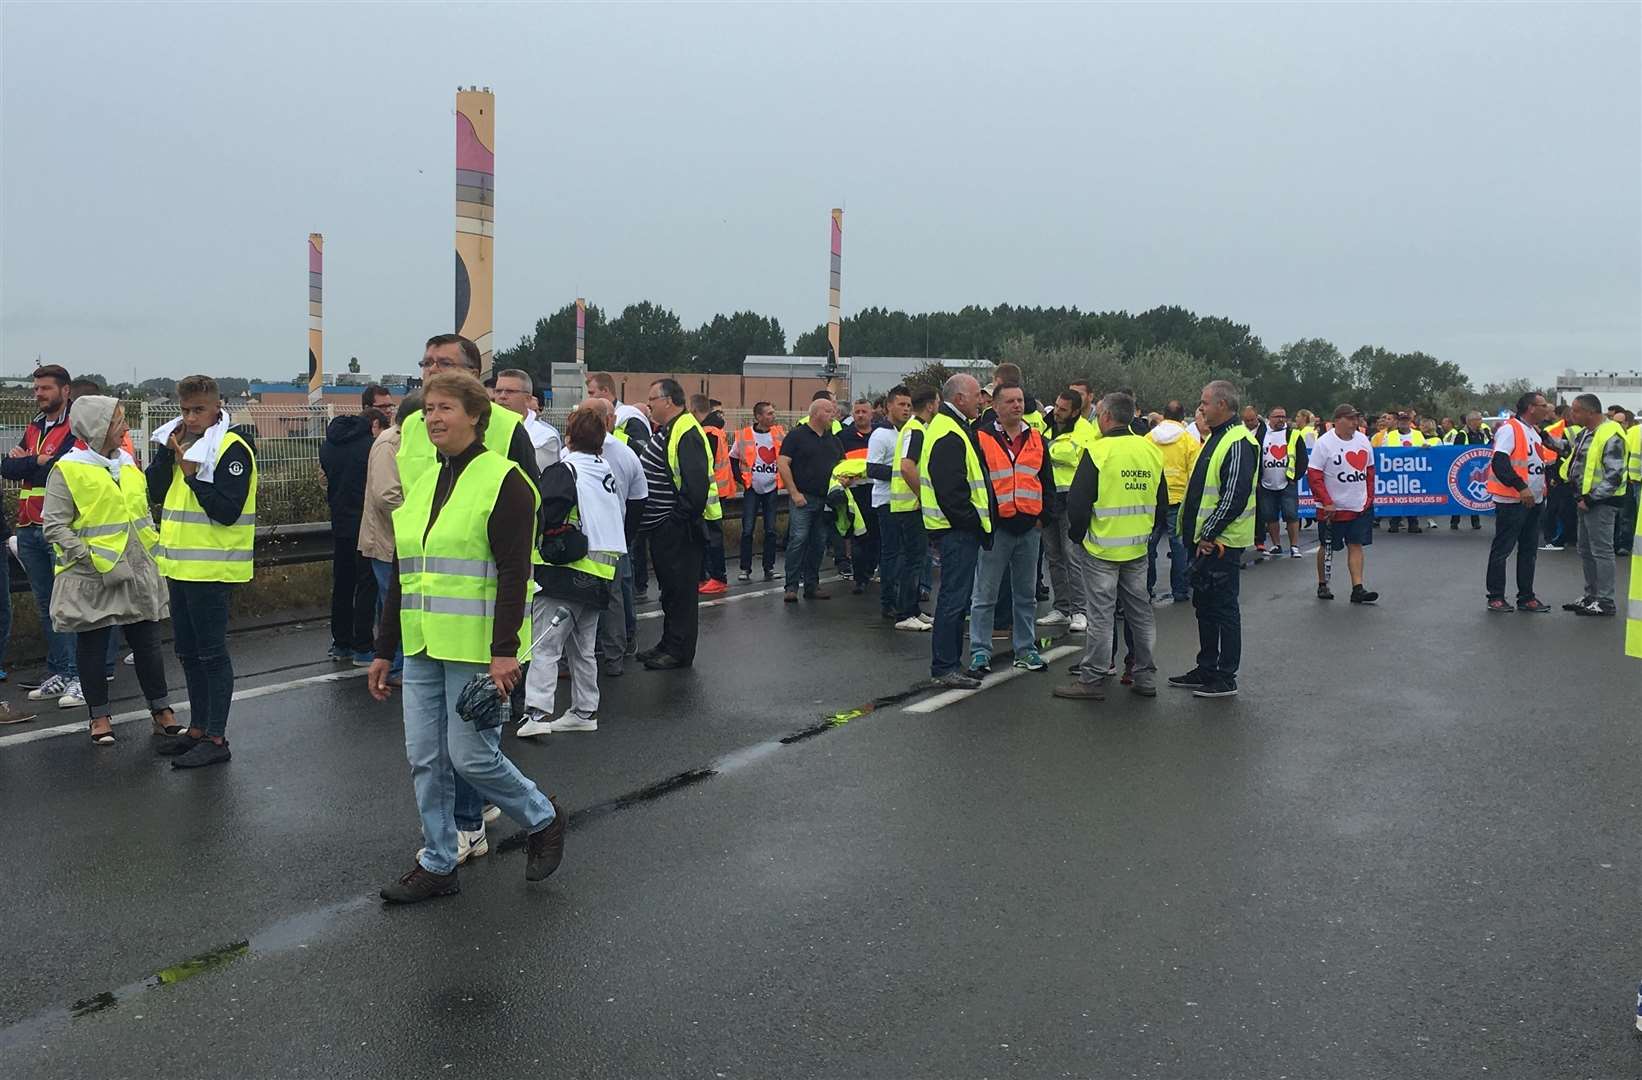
pixel 492 813
pixel 130 659
pixel 927 620
pixel 53 687
pixel 1054 618
pixel 73 696
pixel 572 721
pixel 1294 552
pixel 534 724
pixel 1080 623
pixel 912 622
pixel 469 845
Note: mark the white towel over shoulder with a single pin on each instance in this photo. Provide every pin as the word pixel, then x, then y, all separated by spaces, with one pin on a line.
pixel 205 449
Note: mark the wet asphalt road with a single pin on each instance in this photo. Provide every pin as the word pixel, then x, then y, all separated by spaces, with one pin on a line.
pixel 1407 849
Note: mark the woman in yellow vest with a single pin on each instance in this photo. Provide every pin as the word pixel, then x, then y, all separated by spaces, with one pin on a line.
pixel 464 541
pixel 204 477
pixel 96 517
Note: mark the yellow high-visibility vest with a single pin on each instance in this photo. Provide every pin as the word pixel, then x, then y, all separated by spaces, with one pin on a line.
pixel 192 545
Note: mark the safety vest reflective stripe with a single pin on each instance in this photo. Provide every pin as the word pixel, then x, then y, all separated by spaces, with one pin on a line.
pixel 1240 533
pixel 1519 461
pixel 722 476
pixel 1570 432
pixel 448 598
pixel 1633 607
pixel 748 438
pixel 105 511
pixel 1015 482
pixel 1605 432
pixel 192 546
pixel 1131 471
pixel 1633 453
pixel 901 498
pixel 682 423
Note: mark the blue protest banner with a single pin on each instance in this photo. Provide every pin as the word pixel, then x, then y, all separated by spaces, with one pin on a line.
pixel 1424 480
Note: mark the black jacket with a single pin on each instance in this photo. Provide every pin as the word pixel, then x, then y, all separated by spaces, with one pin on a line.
pixel 223 499
pixel 949 477
pixel 343 456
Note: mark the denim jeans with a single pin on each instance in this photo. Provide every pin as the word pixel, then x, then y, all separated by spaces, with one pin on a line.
pixel 35 555
pixel 1215 586
pixel 199 628
pixel 754 505
pixel 960 550
pixel 1516 528
pixel 913 567
pixel 889 561
pixel 442 747
pixel 1110 584
pixel 383 571
pixel 1179 587
pixel 807 537
pixel 1012 557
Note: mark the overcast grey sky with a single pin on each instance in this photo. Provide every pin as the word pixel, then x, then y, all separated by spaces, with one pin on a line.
pixel 1461 179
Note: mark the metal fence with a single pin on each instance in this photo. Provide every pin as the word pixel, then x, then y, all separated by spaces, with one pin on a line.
pixel 290 487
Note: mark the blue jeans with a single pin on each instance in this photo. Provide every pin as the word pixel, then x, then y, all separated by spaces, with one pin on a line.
pixel 1013 558
pixel 1179 587
pixel 753 505
pixel 913 566
pixel 199 627
pixel 384 580
pixel 807 534
pixel 442 747
pixel 889 561
pixel 960 550
pixel 35 555
pixel 447 754
pixel 1215 581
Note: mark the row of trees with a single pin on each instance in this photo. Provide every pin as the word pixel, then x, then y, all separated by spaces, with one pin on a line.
pixel 1165 352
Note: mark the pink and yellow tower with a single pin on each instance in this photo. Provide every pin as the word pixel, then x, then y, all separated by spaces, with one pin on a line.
pixel 476 218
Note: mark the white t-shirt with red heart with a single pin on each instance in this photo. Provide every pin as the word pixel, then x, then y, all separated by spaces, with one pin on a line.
pixel 1274 460
pixel 1344 465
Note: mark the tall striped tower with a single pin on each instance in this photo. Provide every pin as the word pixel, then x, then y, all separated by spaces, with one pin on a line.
pixel 833 291
pixel 316 318
pixel 476 218
pixel 581 331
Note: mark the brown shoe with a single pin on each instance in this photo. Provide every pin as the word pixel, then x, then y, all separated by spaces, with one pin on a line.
pixel 1081 691
pixel 817 594
pixel 9 715
pixel 789 597
pixel 544 848
pixel 419 885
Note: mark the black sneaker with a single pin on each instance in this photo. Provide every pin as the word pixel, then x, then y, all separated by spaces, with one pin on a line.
pixel 1577 604
pixel 544 848
pixel 771 575
pixel 1043 593
pixel 173 745
pixel 1324 592
pixel 1189 681
pixel 204 752
pixel 419 885
pixel 1534 606
pixel 1596 607
pixel 1360 595
pixel 647 654
pixel 745 575
pixel 1216 689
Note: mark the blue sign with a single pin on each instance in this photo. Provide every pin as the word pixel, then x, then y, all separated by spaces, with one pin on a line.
pixel 1430 481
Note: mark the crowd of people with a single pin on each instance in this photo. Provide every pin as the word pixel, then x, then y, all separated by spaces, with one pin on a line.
pixel 482 556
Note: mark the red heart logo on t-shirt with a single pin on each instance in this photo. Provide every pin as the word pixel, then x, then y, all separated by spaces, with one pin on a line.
pixel 766 454
pixel 1279 451
pixel 1357 459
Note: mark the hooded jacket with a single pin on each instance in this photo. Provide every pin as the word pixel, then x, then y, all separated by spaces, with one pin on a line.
pixel 81 597
pixel 1180 448
pixel 344 456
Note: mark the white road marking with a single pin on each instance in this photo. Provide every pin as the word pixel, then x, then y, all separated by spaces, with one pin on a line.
pixel 81 726
pixel 949 697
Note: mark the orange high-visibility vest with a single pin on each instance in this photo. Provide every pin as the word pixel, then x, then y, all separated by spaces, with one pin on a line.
pixel 748 438
pixel 1519 461
pixel 721 464
pixel 1016 483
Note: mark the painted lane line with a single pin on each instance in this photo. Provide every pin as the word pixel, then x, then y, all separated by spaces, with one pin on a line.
pixel 79 727
pixel 771 591
pixel 950 697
